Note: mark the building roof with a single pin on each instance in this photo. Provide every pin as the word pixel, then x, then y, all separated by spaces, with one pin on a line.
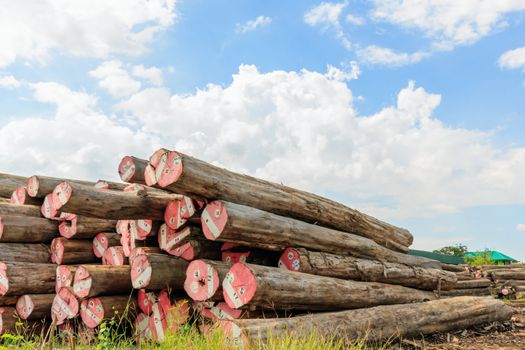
pixel 447 259
pixel 493 254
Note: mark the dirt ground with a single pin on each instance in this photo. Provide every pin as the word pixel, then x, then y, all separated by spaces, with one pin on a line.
pixel 502 336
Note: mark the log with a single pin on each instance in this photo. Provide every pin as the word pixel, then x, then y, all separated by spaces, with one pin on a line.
pixel 9 300
pixel 142 332
pixel 64 276
pixel 455 268
pixel 197 249
pixel 83 227
pixel 65 251
pixel 129 242
pixel 509 275
pixel 350 268
pixel 143 251
pixel 20 197
pixel 95 310
pixel 103 241
pixel 178 212
pixel 203 279
pixel 168 238
pixel 477 283
pixel 39 186
pixel 141 229
pixel 7 208
pixel 114 256
pixel 18 252
pixel 8 183
pixel 145 301
pixel 95 280
pixel 380 323
pixel 17 278
pixel 158 271
pixel 86 200
pixel 65 306
pixel 229 222
pixel 34 306
pixel 26 229
pixel 186 175
pixel 513 283
pixel 468 291
pixel 131 169
pixel 274 288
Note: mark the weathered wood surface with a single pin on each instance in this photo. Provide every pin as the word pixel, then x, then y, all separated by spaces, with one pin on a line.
pixel 17 278
pixel 65 251
pixel 9 183
pixel 25 252
pixel 86 200
pixel 509 275
pixel 39 186
pixel 374 324
pixel 351 268
pixel 34 306
pixel 8 300
pixel 27 229
pixel 454 268
pixel 469 291
pixel 83 227
pixel 95 280
pixel 158 271
pixel 476 283
pixel 230 222
pixel 204 279
pixel 94 311
pixel 274 288
pixel 24 210
pixel 183 174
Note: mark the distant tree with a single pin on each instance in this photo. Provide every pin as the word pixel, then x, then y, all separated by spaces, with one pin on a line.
pixel 456 250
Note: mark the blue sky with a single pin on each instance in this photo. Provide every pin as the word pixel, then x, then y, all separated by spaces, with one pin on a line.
pixel 412 111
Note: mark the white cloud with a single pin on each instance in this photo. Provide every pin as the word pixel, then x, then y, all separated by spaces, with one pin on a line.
pixel 513 59
pixel 31 30
pixel 448 22
pixel 9 82
pixel 385 56
pixel 349 71
pixel 520 227
pixel 152 74
pixel 326 15
pixel 355 20
pixel 115 79
pixel 253 24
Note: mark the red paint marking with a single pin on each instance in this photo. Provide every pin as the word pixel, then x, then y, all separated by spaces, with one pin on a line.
pixel 233 333
pixel 64 277
pixel 113 256
pixel 142 327
pixel 61 194
pixel 25 306
pixel 48 208
pixel 68 227
pixel 221 311
pixel 202 280
pixel 57 251
pixel 154 160
pixel 100 244
pixel 141 229
pixel 290 260
pixel 213 219
pixel 82 282
pixel 33 184
pixel 18 196
pixel 92 312
pixel 126 168
pixel 65 306
pixel 134 188
pixel 140 272
pixel 146 300
pixel 239 286
pixel 157 323
pixel 1 228
pixel 505 291
pixel 172 169
pixel 122 227
pixel 234 257
pixel 185 251
pixel 4 279
pixel 149 175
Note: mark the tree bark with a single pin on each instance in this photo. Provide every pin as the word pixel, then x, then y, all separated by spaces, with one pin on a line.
pixel 197 179
pixel 8 301
pixel 375 324
pixel 17 278
pixel 204 279
pixel 82 227
pixel 229 222
pixel 158 271
pixel 455 268
pixel 34 306
pixel 8 183
pixel 95 280
pixel 27 229
pixel 95 310
pixel 19 252
pixel 20 210
pixel 65 251
pixel 477 283
pixel 468 291
pixel 350 268
pixel 508 275
pixel 274 288
pixel 131 169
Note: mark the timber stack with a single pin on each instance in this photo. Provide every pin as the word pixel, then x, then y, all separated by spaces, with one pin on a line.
pixel 184 240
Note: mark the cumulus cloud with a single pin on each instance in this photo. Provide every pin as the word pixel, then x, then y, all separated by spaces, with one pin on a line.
pixel 151 74
pixel 384 56
pixel 31 30
pixel 115 79
pixel 513 59
pixel 253 24
pixel 326 15
pixel 348 71
pixel 520 227
pixel 355 20
pixel 9 82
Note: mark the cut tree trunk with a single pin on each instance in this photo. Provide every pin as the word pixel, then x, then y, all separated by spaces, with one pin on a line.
pixel 469 291
pixel 95 280
pixel 9 183
pixel 204 279
pixel 39 186
pixel 64 276
pixel 135 252
pixel 350 268
pixel 103 241
pixel 115 256
pixel 508 275
pixel 34 306
pixel 17 278
pixel 229 222
pixel 27 229
pixel 9 300
pixel 455 268
pixel 131 169
pixel 375 324
pixel 158 271
pixel 20 197
pixel 197 249
pixel 65 306
pixel 25 252
pixel 274 288
pixel 179 212
pixel 197 179
pixel 95 310
pixel 65 251
pixel 23 210
pixel 477 283
pixel 83 227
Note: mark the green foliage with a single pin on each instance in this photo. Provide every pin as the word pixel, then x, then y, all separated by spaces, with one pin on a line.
pixel 480 258
pixel 455 250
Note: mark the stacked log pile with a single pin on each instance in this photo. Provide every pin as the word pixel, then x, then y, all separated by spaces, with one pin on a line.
pixel 242 254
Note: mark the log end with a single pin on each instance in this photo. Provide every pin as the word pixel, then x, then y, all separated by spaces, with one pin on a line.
pixel 142 331
pixel 239 286
pixel 134 188
pixel 140 272
pixel 68 226
pixel 122 227
pixel 92 312
pixel 100 244
pixel 126 168
pixel 169 168
pixel 64 277
pixel 233 334
pixel 48 208
pixel 114 256
pixel 18 196
pixel 61 194
pixel 4 279
pixel 65 306
pixel 213 219
pixel 140 229
pixel 221 311
pixel 149 175
pixel 146 300
pixel 57 250
pixel 33 185
pixel 178 212
pixel 25 306
pixel 202 280
pixel 82 282
pixel 290 260
pixel 185 251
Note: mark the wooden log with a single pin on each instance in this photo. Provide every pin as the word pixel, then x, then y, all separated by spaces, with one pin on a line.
pixel 27 229
pixel 203 279
pixel 197 249
pixel 17 278
pixel 178 212
pixel 64 276
pixel 509 275
pixel 455 268
pixel 229 222
pixel 114 256
pixel 82 227
pixel 65 251
pixel 95 280
pixel 95 310
pixel 18 252
pixel 141 229
pixel 7 208
pixel 143 251
pixel 145 300
pixel 274 288
pixel 350 268
pixel 514 283
pixel 85 200
pixel 477 283
pixel 387 322
pixel 20 197
pixel 131 169
pixel 8 183
pixel 9 300
pixel 129 242
pixel 468 291
pixel 158 271
pixel 65 306
pixel 183 174
pixel 34 306
pixel 103 241
pixel 39 186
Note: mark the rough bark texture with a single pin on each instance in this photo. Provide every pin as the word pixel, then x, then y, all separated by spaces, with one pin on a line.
pixel 27 229
pixel 86 200
pixel 477 283
pixel 94 280
pixel 9 183
pixel 468 291
pixel 25 252
pixel 229 222
pixel 509 275
pixel 65 251
pixel 351 268
pixel 24 210
pixel 158 271
pixel 274 288
pixel 17 278
pixel 454 268
pixel 84 227
pixel 39 186
pixel 377 323
pixel 8 301
pixel 34 306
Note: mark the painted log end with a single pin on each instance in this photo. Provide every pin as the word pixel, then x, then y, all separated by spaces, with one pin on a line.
pixel 33 185
pixel 4 279
pixel 114 256
pixel 213 219
pixel 48 208
pixel 100 244
pixel 140 272
pixel 127 168
pixel 290 259
pixel 169 168
pixel 25 306
pixel 239 286
pixel 64 277
pixel 57 250
pixel 92 312
pixel 146 300
pixel 202 280
pixel 65 306
pixel 82 282
pixel 19 196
